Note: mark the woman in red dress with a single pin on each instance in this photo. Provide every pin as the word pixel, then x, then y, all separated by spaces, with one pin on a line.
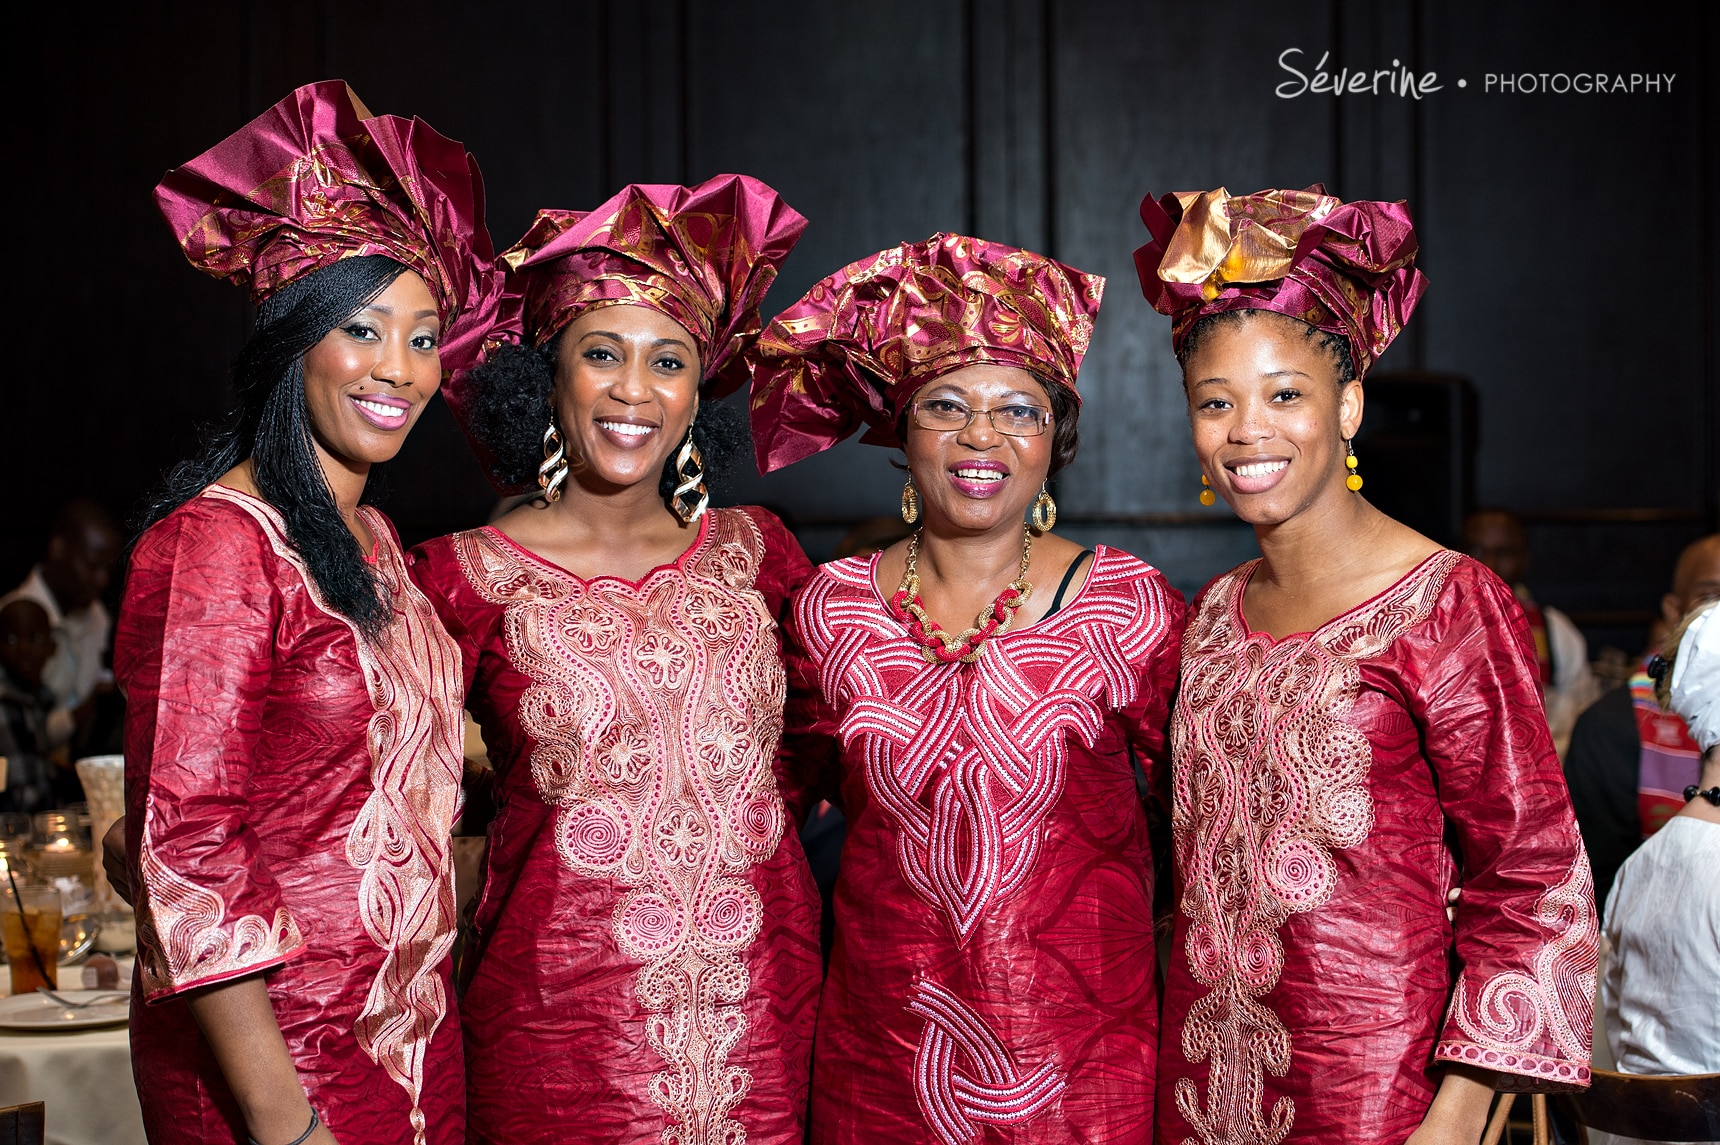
pixel 1357 732
pixel 992 974
pixel 293 706
pixel 645 959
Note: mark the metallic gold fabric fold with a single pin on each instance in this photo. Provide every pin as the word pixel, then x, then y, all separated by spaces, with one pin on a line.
pixel 704 256
pixel 861 342
pixel 1348 268
pixel 318 178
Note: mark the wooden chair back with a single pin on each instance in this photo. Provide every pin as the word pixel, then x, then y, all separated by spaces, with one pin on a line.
pixel 1682 1107
pixel 23 1124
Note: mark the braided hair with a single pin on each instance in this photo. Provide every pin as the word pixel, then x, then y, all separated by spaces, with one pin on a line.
pixel 1335 346
pixel 511 404
pixel 273 429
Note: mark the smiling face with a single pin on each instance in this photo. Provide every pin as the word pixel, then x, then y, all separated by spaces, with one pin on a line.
pixel 977 480
pixel 368 379
pixel 1269 417
pixel 626 389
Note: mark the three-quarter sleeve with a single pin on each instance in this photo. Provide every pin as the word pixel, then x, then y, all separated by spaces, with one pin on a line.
pixel 1526 934
pixel 194 653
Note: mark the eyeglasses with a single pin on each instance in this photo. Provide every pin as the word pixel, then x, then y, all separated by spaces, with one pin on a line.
pixel 947 416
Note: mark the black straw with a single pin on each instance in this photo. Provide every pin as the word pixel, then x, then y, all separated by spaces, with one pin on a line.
pixel 24 924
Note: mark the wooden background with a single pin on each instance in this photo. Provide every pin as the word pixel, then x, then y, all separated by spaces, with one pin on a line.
pixel 1570 239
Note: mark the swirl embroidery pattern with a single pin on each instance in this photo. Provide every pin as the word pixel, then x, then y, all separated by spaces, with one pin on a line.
pixel 195 941
pixel 1511 1013
pixel 400 838
pixel 655 710
pixel 1269 780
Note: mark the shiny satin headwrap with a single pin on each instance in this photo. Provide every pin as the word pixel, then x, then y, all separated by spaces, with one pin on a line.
pixel 318 178
pixel 865 340
pixel 1347 268
pixel 704 256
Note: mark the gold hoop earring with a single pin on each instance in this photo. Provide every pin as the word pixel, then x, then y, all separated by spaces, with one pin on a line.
pixel 1044 512
pixel 552 473
pixel 1354 480
pixel 1207 496
pixel 690 498
pixel 910 503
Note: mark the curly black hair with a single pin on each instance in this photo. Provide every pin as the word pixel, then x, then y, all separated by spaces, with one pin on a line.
pixel 1335 345
pixel 1065 425
pixel 273 429
pixel 510 407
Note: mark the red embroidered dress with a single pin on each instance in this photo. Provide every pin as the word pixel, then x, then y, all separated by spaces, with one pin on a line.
pixel 291 789
pixel 993 969
pixel 1330 788
pixel 647 959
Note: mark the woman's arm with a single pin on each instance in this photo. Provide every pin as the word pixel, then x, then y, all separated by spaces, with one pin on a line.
pixel 1459 1111
pixel 239 1023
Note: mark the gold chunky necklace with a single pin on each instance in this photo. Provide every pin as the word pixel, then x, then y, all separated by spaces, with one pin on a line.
pixel 938 646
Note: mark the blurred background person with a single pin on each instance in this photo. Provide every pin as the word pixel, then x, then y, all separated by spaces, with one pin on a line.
pixel 1630 759
pixel 83 545
pixel 1496 538
pixel 1660 995
pixel 33 781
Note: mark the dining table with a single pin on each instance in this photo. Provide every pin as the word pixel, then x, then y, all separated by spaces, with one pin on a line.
pixel 83 1076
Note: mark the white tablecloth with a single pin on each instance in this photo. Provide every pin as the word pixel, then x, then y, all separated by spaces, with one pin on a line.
pixel 84 1077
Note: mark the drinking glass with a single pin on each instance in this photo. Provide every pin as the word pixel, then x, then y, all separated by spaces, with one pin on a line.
pixel 30 931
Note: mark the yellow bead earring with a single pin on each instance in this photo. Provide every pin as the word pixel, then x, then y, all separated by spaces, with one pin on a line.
pixel 1207 496
pixel 1354 480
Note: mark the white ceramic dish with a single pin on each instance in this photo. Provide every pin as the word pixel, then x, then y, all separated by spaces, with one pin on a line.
pixel 38 1012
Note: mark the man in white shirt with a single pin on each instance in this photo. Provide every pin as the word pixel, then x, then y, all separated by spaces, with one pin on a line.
pixel 69 584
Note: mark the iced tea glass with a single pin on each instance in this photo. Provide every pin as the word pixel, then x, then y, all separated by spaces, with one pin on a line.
pixel 31 936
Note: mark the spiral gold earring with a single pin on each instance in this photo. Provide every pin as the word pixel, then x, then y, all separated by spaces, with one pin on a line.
pixel 1044 512
pixel 552 473
pixel 910 503
pixel 690 498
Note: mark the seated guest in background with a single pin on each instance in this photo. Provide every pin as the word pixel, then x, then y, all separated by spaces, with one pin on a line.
pixel 1358 730
pixel 1660 997
pixel 82 548
pixel 293 731
pixel 1630 760
pixel 1496 539
pixel 992 972
pixel 34 782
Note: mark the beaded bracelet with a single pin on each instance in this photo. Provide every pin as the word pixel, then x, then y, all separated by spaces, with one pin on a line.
pixel 301 1138
pixel 1712 794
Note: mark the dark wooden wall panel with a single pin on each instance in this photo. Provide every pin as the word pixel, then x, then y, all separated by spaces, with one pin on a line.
pixel 1571 241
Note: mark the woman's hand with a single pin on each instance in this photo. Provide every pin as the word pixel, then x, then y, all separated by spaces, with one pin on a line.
pixel 114 864
pixel 1458 1114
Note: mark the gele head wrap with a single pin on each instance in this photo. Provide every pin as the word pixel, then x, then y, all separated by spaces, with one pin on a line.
pixel 1695 690
pixel 318 178
pixel 1347 268
pixel 704 256
pixel 863 341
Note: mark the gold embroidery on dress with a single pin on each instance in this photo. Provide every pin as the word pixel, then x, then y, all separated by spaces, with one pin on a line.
pixel 400 838
pixel 655 711
pixel 1269 780
pixel 1512 1012
pixel 186 938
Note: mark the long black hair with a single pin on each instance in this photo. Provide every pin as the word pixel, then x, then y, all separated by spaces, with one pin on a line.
pixel 511 404
pixel 273 429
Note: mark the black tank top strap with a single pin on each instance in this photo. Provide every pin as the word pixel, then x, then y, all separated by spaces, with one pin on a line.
pixel 1074 567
